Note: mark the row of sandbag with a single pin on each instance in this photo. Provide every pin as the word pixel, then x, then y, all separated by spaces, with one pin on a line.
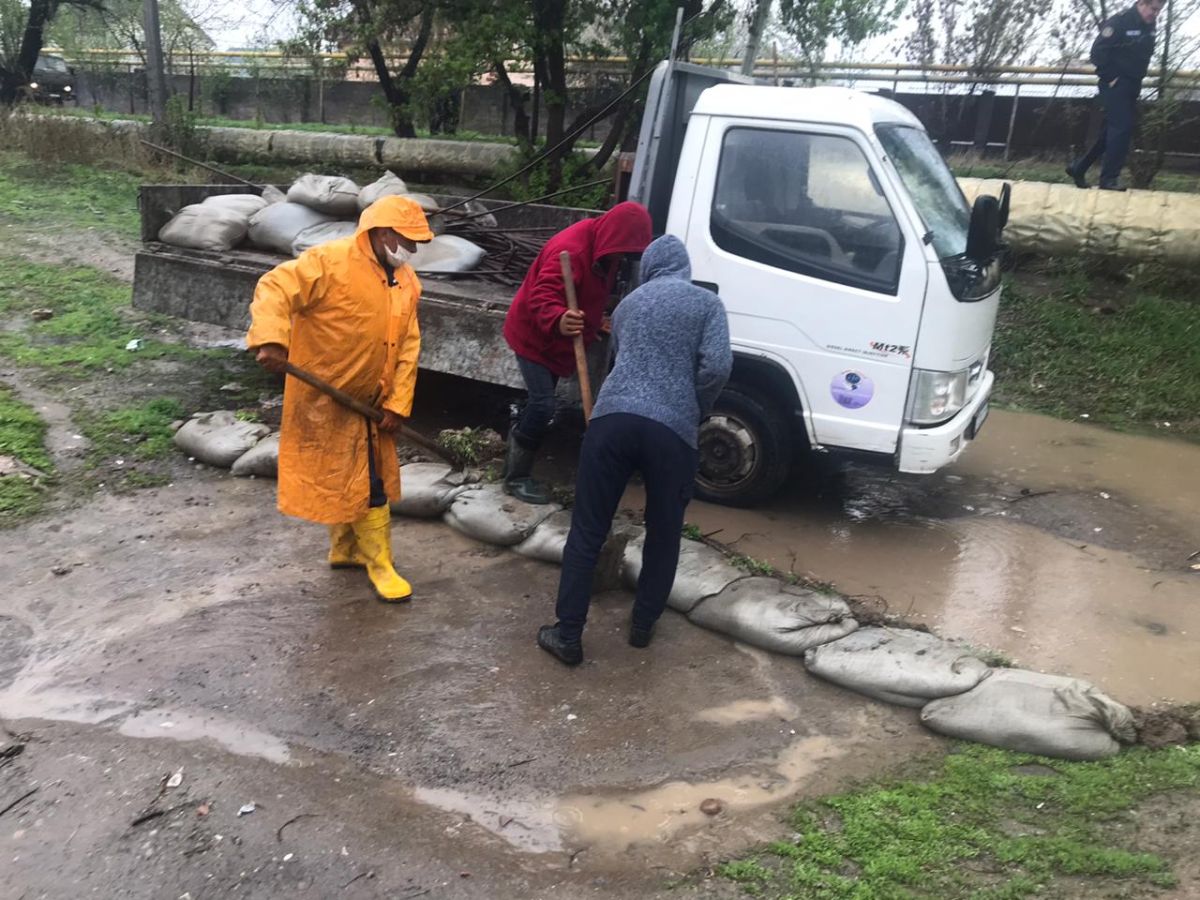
pixel 315 210
pixel 959 695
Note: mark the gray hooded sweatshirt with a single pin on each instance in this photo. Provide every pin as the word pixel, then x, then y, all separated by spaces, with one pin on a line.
pixel 672 345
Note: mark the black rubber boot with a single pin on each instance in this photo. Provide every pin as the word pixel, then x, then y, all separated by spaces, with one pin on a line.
pixel 567 652
pixel 1077 177
pixel 518 469
pixel 640 637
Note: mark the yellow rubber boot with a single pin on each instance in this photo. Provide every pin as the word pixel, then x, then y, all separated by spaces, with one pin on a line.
pixel 343 549
pixel 373 534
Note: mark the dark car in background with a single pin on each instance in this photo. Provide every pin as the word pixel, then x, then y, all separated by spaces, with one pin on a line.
pixel 53 81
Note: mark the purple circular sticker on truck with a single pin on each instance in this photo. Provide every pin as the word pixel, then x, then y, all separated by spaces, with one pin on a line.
pixel 852 390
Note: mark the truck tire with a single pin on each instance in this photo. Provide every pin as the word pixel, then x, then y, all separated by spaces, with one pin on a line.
pixel 745 450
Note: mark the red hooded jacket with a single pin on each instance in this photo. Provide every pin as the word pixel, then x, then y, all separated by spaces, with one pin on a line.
pixel 531 326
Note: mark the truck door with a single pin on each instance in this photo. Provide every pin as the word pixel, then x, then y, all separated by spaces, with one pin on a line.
pixel 800 235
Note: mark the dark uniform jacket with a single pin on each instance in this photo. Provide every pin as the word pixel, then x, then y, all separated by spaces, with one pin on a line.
pixel 1123 48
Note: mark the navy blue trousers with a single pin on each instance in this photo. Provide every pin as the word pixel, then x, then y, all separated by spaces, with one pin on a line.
pixel 1116 132
pixel 615 447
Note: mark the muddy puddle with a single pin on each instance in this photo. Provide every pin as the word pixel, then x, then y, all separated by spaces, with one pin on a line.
pixel 613 822
pixel 1063 546
pixel 194 617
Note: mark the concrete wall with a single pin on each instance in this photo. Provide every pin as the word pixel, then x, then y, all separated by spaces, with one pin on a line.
pixel 303 99
pixel 1043 126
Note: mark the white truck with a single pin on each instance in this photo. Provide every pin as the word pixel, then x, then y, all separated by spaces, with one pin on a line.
pixel 861 289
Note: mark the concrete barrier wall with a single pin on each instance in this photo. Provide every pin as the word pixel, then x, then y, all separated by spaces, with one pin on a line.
pixel 1051 219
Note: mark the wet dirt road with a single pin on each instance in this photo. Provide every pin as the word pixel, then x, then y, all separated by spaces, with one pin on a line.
pixel 190 628
pixel 1062 545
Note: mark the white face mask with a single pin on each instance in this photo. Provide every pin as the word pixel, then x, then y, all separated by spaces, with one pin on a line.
pixel 398 257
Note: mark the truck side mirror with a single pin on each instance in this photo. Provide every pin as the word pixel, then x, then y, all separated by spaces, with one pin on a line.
pixel 983 234
pixel 1005 203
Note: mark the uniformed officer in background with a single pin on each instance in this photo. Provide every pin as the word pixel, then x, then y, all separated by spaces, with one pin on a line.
pixel 1121 54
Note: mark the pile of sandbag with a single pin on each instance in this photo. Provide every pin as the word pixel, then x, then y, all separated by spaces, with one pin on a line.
pixel 221 439
pixel 317 209
pixel 218 224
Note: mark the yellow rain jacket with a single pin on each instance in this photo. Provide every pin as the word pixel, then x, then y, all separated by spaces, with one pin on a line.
pixel 335 312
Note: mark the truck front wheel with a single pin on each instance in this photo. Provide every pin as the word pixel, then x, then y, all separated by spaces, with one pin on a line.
pixel 745 450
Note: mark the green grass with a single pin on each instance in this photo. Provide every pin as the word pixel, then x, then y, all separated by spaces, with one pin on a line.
pixel 752 566
pixel 89 329
pixel 71 196
pixel 21 436
pixel 132 433
pixel 972 827
pixel 22 432
pixel 1134 367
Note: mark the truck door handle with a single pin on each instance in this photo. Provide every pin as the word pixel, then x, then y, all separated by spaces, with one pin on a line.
pixel 709 286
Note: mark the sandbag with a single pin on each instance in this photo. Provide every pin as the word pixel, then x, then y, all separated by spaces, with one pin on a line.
pixel 322 234
pixel 261 460
pixel 244 204
pixel 549 539
pixel 218 438
pixel 777 617
pixel 272 194
pixel 427 203
pixel 702 572
pixel 330 194
pixel 1034 713
pixel 202 227
pixel 897 665
pixel 425 492
pixel 277 226
pixel 489 515
pixel 447 253
pixel 386 186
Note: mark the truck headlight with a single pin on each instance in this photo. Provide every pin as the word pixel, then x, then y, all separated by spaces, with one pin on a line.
pixel 66 89
pixel 936 396
pixel 33 85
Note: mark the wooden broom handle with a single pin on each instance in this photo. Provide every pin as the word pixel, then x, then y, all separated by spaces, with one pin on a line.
pixel 581 367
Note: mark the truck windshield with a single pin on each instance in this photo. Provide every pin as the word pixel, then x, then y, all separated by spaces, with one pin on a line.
pixel 934 191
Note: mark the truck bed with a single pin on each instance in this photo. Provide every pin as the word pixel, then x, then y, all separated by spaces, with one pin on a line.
pixel 460 316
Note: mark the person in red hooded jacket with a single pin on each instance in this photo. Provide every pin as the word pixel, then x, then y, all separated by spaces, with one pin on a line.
pixel 540 328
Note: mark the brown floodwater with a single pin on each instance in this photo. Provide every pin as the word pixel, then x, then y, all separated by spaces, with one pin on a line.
pixel 1061 545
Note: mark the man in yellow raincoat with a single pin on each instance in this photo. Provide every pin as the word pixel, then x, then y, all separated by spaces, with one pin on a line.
pixel 347 312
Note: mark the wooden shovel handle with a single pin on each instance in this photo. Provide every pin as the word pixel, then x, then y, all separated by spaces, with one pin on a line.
pixel 581 367
pixel 372 413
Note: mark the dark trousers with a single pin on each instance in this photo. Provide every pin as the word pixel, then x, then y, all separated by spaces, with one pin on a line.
pixel 1116 131
pixel 534 420
pixel 378 497
pixel 614 447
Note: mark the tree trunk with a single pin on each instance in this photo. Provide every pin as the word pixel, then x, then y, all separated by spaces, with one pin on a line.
pixel 396 90
pixel 15 78
pixel 521 124
pixel 758 24
pixel 549 19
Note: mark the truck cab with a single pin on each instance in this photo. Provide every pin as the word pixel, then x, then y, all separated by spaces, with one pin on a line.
pixel 837 238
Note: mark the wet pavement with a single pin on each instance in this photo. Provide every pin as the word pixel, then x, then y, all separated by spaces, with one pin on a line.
pixel 191 628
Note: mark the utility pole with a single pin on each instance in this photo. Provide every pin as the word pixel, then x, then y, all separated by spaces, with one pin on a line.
pixel 156 80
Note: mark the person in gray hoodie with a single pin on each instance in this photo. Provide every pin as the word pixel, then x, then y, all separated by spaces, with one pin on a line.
pixel 672 359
